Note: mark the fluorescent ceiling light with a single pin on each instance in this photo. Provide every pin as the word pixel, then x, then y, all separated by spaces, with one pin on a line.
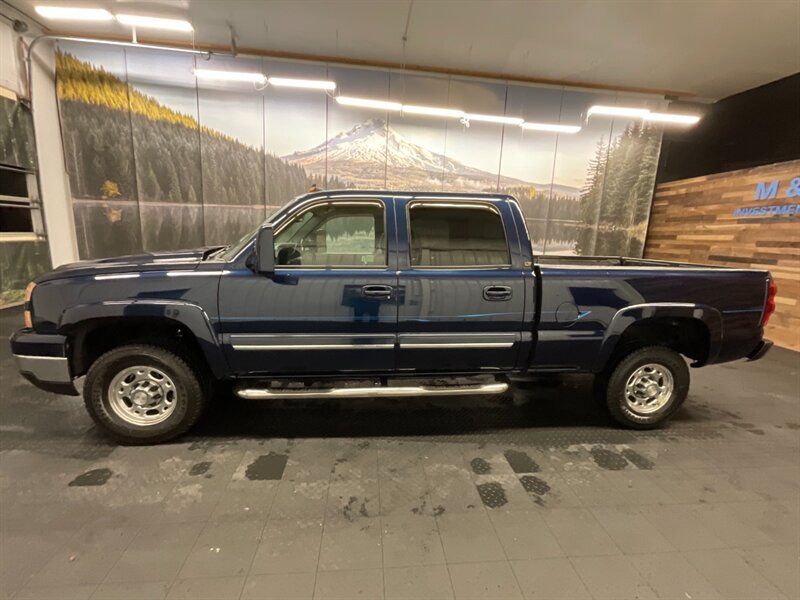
pixel 494 119
pixel 229 75
pixel 552 127
pixel 644 113
pixel 672 118
pixel 74 14
pixel 618 111
pixel 155 22
pixel 312 84
pixel 367 103
pixel 433 111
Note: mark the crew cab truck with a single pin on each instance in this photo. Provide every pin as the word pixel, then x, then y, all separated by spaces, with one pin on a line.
pixel 378 293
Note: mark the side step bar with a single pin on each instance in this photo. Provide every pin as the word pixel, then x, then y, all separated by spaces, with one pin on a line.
pixel 398 391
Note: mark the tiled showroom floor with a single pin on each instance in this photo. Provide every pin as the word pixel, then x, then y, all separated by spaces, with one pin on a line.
pixel 533 495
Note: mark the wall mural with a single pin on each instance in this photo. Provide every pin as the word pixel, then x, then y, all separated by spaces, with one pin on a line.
pixel 158 160
pixel 16 135
pixel 20 260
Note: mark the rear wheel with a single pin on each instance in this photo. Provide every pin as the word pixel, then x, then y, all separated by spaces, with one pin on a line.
pixel 144 394
pixel 646 387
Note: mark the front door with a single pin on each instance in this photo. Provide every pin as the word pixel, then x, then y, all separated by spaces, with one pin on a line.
pixel 462 298
pixel 331 305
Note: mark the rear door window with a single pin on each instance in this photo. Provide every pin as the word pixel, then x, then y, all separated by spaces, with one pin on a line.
pixel 447 235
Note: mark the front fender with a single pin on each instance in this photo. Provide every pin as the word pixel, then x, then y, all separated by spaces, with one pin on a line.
pixel 629 315
pixel 192 316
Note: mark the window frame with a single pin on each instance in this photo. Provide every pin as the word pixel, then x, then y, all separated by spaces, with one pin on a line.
pixel 336 201
pixel 456 203
pixel 31 203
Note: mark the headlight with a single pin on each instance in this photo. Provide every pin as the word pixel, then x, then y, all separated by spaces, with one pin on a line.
pixel 28 292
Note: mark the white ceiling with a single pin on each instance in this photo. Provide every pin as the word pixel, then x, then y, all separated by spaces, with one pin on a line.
pixel 706 48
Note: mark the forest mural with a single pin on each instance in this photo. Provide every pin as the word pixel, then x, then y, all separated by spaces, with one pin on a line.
pixel 16 139
pixel 157 161
pixel 21 260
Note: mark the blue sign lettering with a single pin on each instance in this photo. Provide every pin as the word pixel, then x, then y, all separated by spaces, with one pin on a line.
pixel 770 210
pixel 768 190
pixel 794 188
pixel 764 192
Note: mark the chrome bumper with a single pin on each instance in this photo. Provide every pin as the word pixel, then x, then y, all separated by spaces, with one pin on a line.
pixel 50 373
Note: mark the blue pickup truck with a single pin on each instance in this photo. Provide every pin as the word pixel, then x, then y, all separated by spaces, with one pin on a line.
pixel 377 293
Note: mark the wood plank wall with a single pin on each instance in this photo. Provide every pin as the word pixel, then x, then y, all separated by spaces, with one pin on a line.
pixel 694 220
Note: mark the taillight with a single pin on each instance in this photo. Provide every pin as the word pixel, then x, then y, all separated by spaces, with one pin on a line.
pixel 28 292
pixel 769 307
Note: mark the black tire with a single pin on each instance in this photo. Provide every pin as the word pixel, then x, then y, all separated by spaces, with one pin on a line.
pixel 189 390
pixel 615 390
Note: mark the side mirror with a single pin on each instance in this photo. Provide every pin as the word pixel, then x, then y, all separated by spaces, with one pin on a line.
pixel 265 250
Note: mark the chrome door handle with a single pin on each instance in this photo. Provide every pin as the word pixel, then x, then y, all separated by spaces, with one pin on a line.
pixel 377 291
pixel 496 292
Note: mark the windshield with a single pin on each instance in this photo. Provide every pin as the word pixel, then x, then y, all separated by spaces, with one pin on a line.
pixel 229 252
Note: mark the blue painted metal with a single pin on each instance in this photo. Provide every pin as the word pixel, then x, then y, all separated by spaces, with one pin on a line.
pixel 451 304
pixel 306 321
pixel 619 296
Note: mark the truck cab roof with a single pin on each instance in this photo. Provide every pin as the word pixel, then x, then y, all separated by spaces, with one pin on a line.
pixel 484 196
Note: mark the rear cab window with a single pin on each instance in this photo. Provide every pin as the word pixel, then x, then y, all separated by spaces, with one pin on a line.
pixel 445 234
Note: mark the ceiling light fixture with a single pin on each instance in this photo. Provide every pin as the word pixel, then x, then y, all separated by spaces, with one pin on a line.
pixel 311 84
pixel 155 22
pixel 433 111
pixel 552 127
pixel 74 14
pixel 367 103
pixel 213 75
pixel 494 119
pixel 618 111
pixel 674 118
pixel 645 114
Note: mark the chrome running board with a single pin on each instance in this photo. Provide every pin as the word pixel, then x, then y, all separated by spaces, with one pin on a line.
pixel 398 391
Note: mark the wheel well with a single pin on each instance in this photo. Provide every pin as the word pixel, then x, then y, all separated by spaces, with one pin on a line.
pixel 93 338
pixel 688 336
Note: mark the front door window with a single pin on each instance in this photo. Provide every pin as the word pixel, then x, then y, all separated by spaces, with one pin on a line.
pixel 334 236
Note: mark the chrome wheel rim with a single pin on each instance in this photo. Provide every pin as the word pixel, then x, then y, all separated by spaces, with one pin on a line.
pixel 649 388
pixel 142 395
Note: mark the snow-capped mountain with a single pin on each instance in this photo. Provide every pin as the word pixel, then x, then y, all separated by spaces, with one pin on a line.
pixel 372 154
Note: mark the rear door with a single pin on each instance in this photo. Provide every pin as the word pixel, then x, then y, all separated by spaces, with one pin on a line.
pixel 461 286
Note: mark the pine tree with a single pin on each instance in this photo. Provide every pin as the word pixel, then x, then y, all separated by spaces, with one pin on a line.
pixel 590 199
pixel 150 185
pixel 172 184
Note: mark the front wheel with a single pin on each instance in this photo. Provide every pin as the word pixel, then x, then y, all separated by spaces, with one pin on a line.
pixel 144 394
pixel 647 387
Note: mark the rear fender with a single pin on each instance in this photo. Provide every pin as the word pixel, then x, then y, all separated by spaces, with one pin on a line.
pixel 629 315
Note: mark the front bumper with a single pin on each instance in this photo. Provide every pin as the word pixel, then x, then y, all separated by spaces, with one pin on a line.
pixel 760 350
pixel 42 359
